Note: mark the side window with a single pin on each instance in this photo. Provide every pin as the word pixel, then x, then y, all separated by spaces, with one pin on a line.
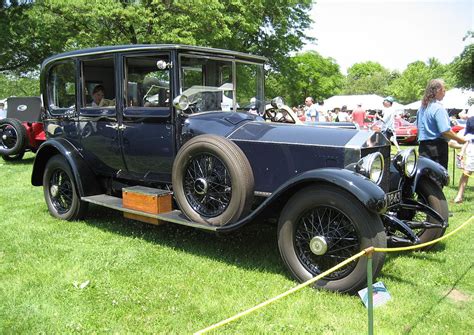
pixel 98 84
pixel 147 85
pixel 61 88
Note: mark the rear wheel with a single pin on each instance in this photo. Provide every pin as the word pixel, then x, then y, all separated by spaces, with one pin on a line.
pixel 12 137
pixel 60 191
pixel 322 226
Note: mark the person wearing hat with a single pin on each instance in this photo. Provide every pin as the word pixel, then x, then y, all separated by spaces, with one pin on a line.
pixel 432 121
pixel 388 121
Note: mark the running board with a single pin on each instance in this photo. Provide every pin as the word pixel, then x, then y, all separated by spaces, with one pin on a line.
pixel 174 216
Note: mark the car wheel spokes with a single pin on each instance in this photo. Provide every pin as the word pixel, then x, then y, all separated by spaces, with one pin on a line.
pixel 8 137
pixel 333 230
pixel 207 185
pixel 61 191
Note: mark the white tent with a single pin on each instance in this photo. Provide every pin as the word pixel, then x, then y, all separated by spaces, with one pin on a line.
pixel 368 101
pixel 455 98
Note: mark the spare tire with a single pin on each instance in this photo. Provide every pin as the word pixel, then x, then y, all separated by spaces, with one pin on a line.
pixel 12 137
pixel 212 181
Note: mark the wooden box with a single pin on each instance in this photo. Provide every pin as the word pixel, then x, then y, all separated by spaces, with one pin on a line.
pixel 146 199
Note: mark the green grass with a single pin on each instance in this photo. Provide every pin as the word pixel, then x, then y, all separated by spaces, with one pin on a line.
pixel 174 279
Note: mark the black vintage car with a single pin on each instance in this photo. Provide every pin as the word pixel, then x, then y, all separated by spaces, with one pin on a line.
pixel 190 124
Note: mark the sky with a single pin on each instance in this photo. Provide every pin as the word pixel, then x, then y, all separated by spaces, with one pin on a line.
pixel 392 33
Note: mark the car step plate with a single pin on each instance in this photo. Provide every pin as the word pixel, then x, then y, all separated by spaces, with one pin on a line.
pixel 174 216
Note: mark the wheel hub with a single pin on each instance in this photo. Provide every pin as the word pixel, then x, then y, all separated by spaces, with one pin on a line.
pixel 54 190
pixel 318 245
pixel 201 186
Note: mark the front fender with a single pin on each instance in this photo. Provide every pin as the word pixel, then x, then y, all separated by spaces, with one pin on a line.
pixel 367 192
pixel 83 175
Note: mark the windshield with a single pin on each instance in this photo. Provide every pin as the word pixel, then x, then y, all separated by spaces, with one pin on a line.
pixel 211 84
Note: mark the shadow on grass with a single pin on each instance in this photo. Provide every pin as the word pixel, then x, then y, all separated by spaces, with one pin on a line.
pixel 24 161
pixel 252 247
pixel 422 318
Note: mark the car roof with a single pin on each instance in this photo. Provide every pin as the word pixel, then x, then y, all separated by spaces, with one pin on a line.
pixel 151 47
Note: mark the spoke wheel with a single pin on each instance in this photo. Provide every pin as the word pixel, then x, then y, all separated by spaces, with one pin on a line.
pixel 60 190
pixel 212 181
pixel 335 232
pixel 207 185
pixel 12 137
pixel 428 193
pixel 321 226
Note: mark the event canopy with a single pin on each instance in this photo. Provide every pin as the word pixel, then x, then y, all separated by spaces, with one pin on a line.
pixel 455 98
pixel 368 102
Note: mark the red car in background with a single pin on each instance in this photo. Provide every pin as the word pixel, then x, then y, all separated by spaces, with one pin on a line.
pixel 405 131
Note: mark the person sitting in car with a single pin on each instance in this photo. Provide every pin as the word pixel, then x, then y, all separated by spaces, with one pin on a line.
pixel 98 99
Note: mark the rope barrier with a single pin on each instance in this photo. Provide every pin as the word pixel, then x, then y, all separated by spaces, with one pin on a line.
pixel 367 251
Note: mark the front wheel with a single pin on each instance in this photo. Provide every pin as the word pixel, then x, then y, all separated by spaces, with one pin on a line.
pixel 60 191
pixel 320 227
pixel 14 158
pixel 431 194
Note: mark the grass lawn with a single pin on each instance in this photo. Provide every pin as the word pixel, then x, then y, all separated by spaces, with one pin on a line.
pixel 107 274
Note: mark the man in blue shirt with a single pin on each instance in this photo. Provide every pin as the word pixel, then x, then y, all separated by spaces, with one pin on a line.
pixel 433 124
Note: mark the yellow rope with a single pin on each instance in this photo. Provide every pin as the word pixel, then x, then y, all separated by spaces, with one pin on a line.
pixel 294 289
pixel 325 273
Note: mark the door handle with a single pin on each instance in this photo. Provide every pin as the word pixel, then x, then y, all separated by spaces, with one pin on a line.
pixel 122 127
pixel 113 126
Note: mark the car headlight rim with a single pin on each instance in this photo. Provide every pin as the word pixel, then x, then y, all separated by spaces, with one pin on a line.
pixel 368 164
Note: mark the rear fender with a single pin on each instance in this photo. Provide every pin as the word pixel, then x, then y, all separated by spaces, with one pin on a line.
pixel 85 179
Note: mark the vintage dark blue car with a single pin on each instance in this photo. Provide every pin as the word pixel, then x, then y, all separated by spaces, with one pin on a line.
pixel 185 130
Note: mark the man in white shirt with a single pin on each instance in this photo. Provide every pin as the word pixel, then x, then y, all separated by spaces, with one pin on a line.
pixel 311 111
pixel 388 121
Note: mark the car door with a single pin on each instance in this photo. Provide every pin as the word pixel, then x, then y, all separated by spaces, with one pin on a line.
pixel 99 120
pixel 147 131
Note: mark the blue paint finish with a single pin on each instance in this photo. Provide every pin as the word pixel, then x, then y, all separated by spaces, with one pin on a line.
pixel 295 134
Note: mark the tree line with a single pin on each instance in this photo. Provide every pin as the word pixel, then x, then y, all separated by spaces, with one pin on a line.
pixel 35 30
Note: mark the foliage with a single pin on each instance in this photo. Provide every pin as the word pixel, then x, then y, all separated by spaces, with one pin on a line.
pixel 368 78
pixel 411 84
pixel 46 27
pixel 13 85
pixel 463 65
pixel 306 74
pixel 107 274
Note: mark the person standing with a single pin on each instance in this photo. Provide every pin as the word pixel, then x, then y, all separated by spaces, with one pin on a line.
pixel 358 115
pixel 433 125
pixel 311 111
pixel 467 154
pixel 388 121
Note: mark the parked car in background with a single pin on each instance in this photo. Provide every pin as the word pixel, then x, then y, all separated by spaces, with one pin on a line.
pixel 22 129
pixel 405 131
pixel 197 157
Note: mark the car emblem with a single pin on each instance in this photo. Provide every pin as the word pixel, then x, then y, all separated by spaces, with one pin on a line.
pixel 22 108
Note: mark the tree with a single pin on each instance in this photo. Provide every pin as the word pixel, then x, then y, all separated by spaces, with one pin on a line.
pixel 411 84
pixel 306 74
pixel 368 78
pixel 463 65
pixel 38 30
